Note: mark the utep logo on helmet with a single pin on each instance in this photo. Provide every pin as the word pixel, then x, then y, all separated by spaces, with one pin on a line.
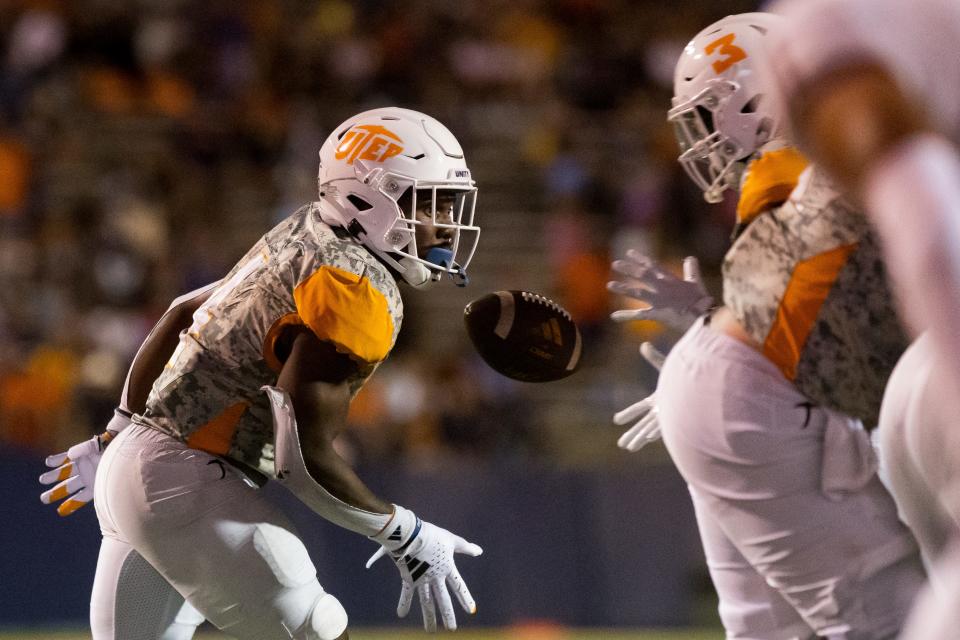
pixel 368 142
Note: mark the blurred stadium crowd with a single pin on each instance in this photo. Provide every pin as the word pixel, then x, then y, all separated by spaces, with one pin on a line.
pixel 144 145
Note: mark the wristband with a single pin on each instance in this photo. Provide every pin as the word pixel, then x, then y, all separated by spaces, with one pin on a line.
pixel 403 528
pixel 121 420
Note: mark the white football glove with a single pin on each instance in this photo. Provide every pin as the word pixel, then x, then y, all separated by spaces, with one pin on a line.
pixel 426 564
pixel 672 301
pixel 76 468
pixel 647 427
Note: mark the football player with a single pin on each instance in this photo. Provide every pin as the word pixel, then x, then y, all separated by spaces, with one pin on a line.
pixel 876 64
pixel 860 82
pixel 900 158
pixel 258 386
pixel 801 537
pixel 872 65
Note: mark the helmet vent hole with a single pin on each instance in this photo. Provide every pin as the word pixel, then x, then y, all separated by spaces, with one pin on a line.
pixel 359 203
pixel 342 133
pixel 751 106
pixel 416 157
pixel 759 28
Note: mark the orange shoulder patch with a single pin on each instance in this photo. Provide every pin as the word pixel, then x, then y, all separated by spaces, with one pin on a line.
pixel 770 180
pixel 345 309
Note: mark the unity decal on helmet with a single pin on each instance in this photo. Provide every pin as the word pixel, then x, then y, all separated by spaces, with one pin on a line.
pixel 368 142
pixel 732 52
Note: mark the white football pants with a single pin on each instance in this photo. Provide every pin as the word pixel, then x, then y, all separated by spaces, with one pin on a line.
pixel 789 506
pixel 219 543
pixel 920 448
pixel 936 615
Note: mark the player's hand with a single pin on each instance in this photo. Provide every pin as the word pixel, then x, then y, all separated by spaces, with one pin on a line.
pixel 672 301
pixel 427 567
pixel 75 469
pixel 646 429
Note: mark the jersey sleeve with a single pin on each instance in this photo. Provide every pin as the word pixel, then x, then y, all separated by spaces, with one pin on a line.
pixel 768 182
pixel 347 310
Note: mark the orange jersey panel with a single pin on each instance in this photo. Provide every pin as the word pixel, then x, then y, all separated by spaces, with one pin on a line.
pixel 345 309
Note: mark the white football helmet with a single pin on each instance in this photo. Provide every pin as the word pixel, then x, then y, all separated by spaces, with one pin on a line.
pixel 722 114
pixel 373 170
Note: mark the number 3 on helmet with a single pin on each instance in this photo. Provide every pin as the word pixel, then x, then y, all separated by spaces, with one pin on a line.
pixel 721 113
pixel 373 170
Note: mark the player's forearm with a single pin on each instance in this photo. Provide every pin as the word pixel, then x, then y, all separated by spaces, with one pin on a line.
pixel 309 404
pixel 150 359
pixel 353 506
pixel 332 473
pixel 153 354
pixel 323 408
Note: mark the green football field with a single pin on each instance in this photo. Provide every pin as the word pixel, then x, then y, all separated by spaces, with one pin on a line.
pixel 519 633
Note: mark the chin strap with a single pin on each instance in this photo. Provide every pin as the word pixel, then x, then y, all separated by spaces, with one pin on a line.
pixel 413 271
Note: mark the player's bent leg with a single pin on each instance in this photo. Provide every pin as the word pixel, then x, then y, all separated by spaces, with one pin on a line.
pixel 273 591
pixel 217 540
pixel 936 615
pixel 750 609
pixel 131 601
pixel 909 425
pixel 821 529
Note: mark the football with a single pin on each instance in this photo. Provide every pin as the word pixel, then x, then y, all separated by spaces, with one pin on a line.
pixel 524 336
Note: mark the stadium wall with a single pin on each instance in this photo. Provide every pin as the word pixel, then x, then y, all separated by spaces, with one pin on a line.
pixel 593 548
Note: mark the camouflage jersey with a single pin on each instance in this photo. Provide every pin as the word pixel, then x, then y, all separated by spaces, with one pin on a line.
pixel 301 272
pixel 806 280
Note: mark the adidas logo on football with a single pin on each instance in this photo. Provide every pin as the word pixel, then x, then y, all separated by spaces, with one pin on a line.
pixel 551 331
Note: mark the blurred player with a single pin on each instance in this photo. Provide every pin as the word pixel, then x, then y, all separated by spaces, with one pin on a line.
pixel 800 536
pixel 887 70
pixel 919 442
pixel 872 94
pixel 259 384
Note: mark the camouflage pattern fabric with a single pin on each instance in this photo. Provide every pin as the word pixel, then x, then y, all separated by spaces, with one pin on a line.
pixel 219 365
pixel 856 339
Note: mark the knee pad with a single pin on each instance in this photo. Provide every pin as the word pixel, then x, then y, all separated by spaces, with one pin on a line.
pixel 327 621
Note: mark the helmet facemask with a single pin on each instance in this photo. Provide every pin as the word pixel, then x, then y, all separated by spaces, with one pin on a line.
pixel 435 228
pixel 413 205
pixel 714 161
